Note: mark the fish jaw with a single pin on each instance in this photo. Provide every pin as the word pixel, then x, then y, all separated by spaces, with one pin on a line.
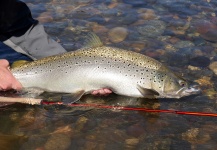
pixel 182 92
pixel 191 90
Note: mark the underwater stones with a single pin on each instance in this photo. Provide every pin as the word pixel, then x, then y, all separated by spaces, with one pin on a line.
pixel 200 61
pixel 136 130
pixel 58 142
pixel 152 28
pixel 45 17
pixel 196 136
pixel 147 14
pixel 131 143
pixel 183 44
pixel 207 30
pixel 213 67
pixel 136 3
pixel 117 34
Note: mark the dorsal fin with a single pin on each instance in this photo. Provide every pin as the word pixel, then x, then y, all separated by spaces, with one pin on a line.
pixel 92 40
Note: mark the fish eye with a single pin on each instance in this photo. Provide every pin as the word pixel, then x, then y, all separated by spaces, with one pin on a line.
pixel 182 83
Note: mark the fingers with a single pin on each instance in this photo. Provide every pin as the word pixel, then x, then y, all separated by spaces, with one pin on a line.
pixel 7 80
pixel 4 63
pixel 103 91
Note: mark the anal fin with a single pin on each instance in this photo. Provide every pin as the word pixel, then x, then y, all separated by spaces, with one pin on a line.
pixel 73 97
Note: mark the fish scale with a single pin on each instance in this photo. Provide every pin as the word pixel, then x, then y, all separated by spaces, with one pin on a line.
pixel 98 66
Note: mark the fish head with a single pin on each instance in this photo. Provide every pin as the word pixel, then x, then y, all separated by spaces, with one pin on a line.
pixel 176 87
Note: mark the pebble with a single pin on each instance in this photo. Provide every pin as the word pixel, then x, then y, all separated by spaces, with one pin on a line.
pixel 132 141
pixel 135 130
pixel 213 67
pixel 117 34
pixel 152 28
pixel 184 44
pixel 207 30
pixel 79 125
pixel 58 142
pixel 196 136
pixel 200 61
pixel 45 17
pixel 147 14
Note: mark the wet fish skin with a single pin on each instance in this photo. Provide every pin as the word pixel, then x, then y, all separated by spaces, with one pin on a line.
pixel 95 67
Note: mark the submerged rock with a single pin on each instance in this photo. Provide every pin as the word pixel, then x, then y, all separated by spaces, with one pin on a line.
pixel 200 61
pixel 196 136
pixel 207 30
pixel 58 142
pixel 213 67
pixel 117 34
pixel 152 28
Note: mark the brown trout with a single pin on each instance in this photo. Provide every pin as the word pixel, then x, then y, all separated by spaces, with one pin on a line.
pixel 97 66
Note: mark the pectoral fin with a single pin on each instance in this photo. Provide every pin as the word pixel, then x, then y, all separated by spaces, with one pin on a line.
pixel 72 98
pixel 147 92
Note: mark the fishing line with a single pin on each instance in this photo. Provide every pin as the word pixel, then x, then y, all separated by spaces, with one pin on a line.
pixel 133 109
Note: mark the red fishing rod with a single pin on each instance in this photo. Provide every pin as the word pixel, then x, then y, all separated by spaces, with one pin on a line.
pixel 133 109
pixel 33 101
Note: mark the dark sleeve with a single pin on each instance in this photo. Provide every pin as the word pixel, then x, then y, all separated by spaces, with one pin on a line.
pixel 15 19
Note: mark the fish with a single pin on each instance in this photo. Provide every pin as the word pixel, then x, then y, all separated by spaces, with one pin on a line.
pixel 98 66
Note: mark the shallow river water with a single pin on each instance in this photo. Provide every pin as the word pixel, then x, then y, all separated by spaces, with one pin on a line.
pixel 182 34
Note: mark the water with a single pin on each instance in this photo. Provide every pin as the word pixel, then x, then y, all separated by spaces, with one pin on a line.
pixel 179 33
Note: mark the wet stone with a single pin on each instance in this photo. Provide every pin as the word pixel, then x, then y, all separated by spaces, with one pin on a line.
pixel 213 67
pixel 207 30
pixel 124 18
pixel 58 142
pixel 98 19
pixel 55 29
pixel 200 61
pixel 136 3
pixel 155 143
pixel 184 44
pixel 175 59
pixel 195 136
pixel 147 14
pixel 152 28
pixel 117 34
pixel 136 130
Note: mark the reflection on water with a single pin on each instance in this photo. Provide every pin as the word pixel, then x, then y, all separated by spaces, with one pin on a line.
pixel 181 34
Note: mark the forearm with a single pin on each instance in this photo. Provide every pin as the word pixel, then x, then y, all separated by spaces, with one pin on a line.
pixel 23 34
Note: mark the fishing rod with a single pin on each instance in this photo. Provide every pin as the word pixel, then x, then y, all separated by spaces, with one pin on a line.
pixel 34 101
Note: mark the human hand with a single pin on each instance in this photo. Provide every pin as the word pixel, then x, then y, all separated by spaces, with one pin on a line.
pixel 7 80
pixel 103 91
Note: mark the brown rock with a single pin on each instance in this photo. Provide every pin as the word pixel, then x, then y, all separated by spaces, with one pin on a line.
pixel 45 17
pixel 117 34
pixel 58 142
pixel 213 67
pixel 207 30
pixel 147 14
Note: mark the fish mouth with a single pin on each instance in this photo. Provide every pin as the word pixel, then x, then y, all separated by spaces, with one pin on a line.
pixel 185 91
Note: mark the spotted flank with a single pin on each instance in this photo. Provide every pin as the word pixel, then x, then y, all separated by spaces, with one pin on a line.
pixel 97 66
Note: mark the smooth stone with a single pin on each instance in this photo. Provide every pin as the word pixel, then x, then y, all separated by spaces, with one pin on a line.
pixel 152 28
pixel 213 67
pixel 200 61
pixel 58 142
pixel 207 30
pixel 196 136
pixel 136 130
pixel 45 17
pixel 183 44
pixel 117 34
pixel 136 3
pixel 147 14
